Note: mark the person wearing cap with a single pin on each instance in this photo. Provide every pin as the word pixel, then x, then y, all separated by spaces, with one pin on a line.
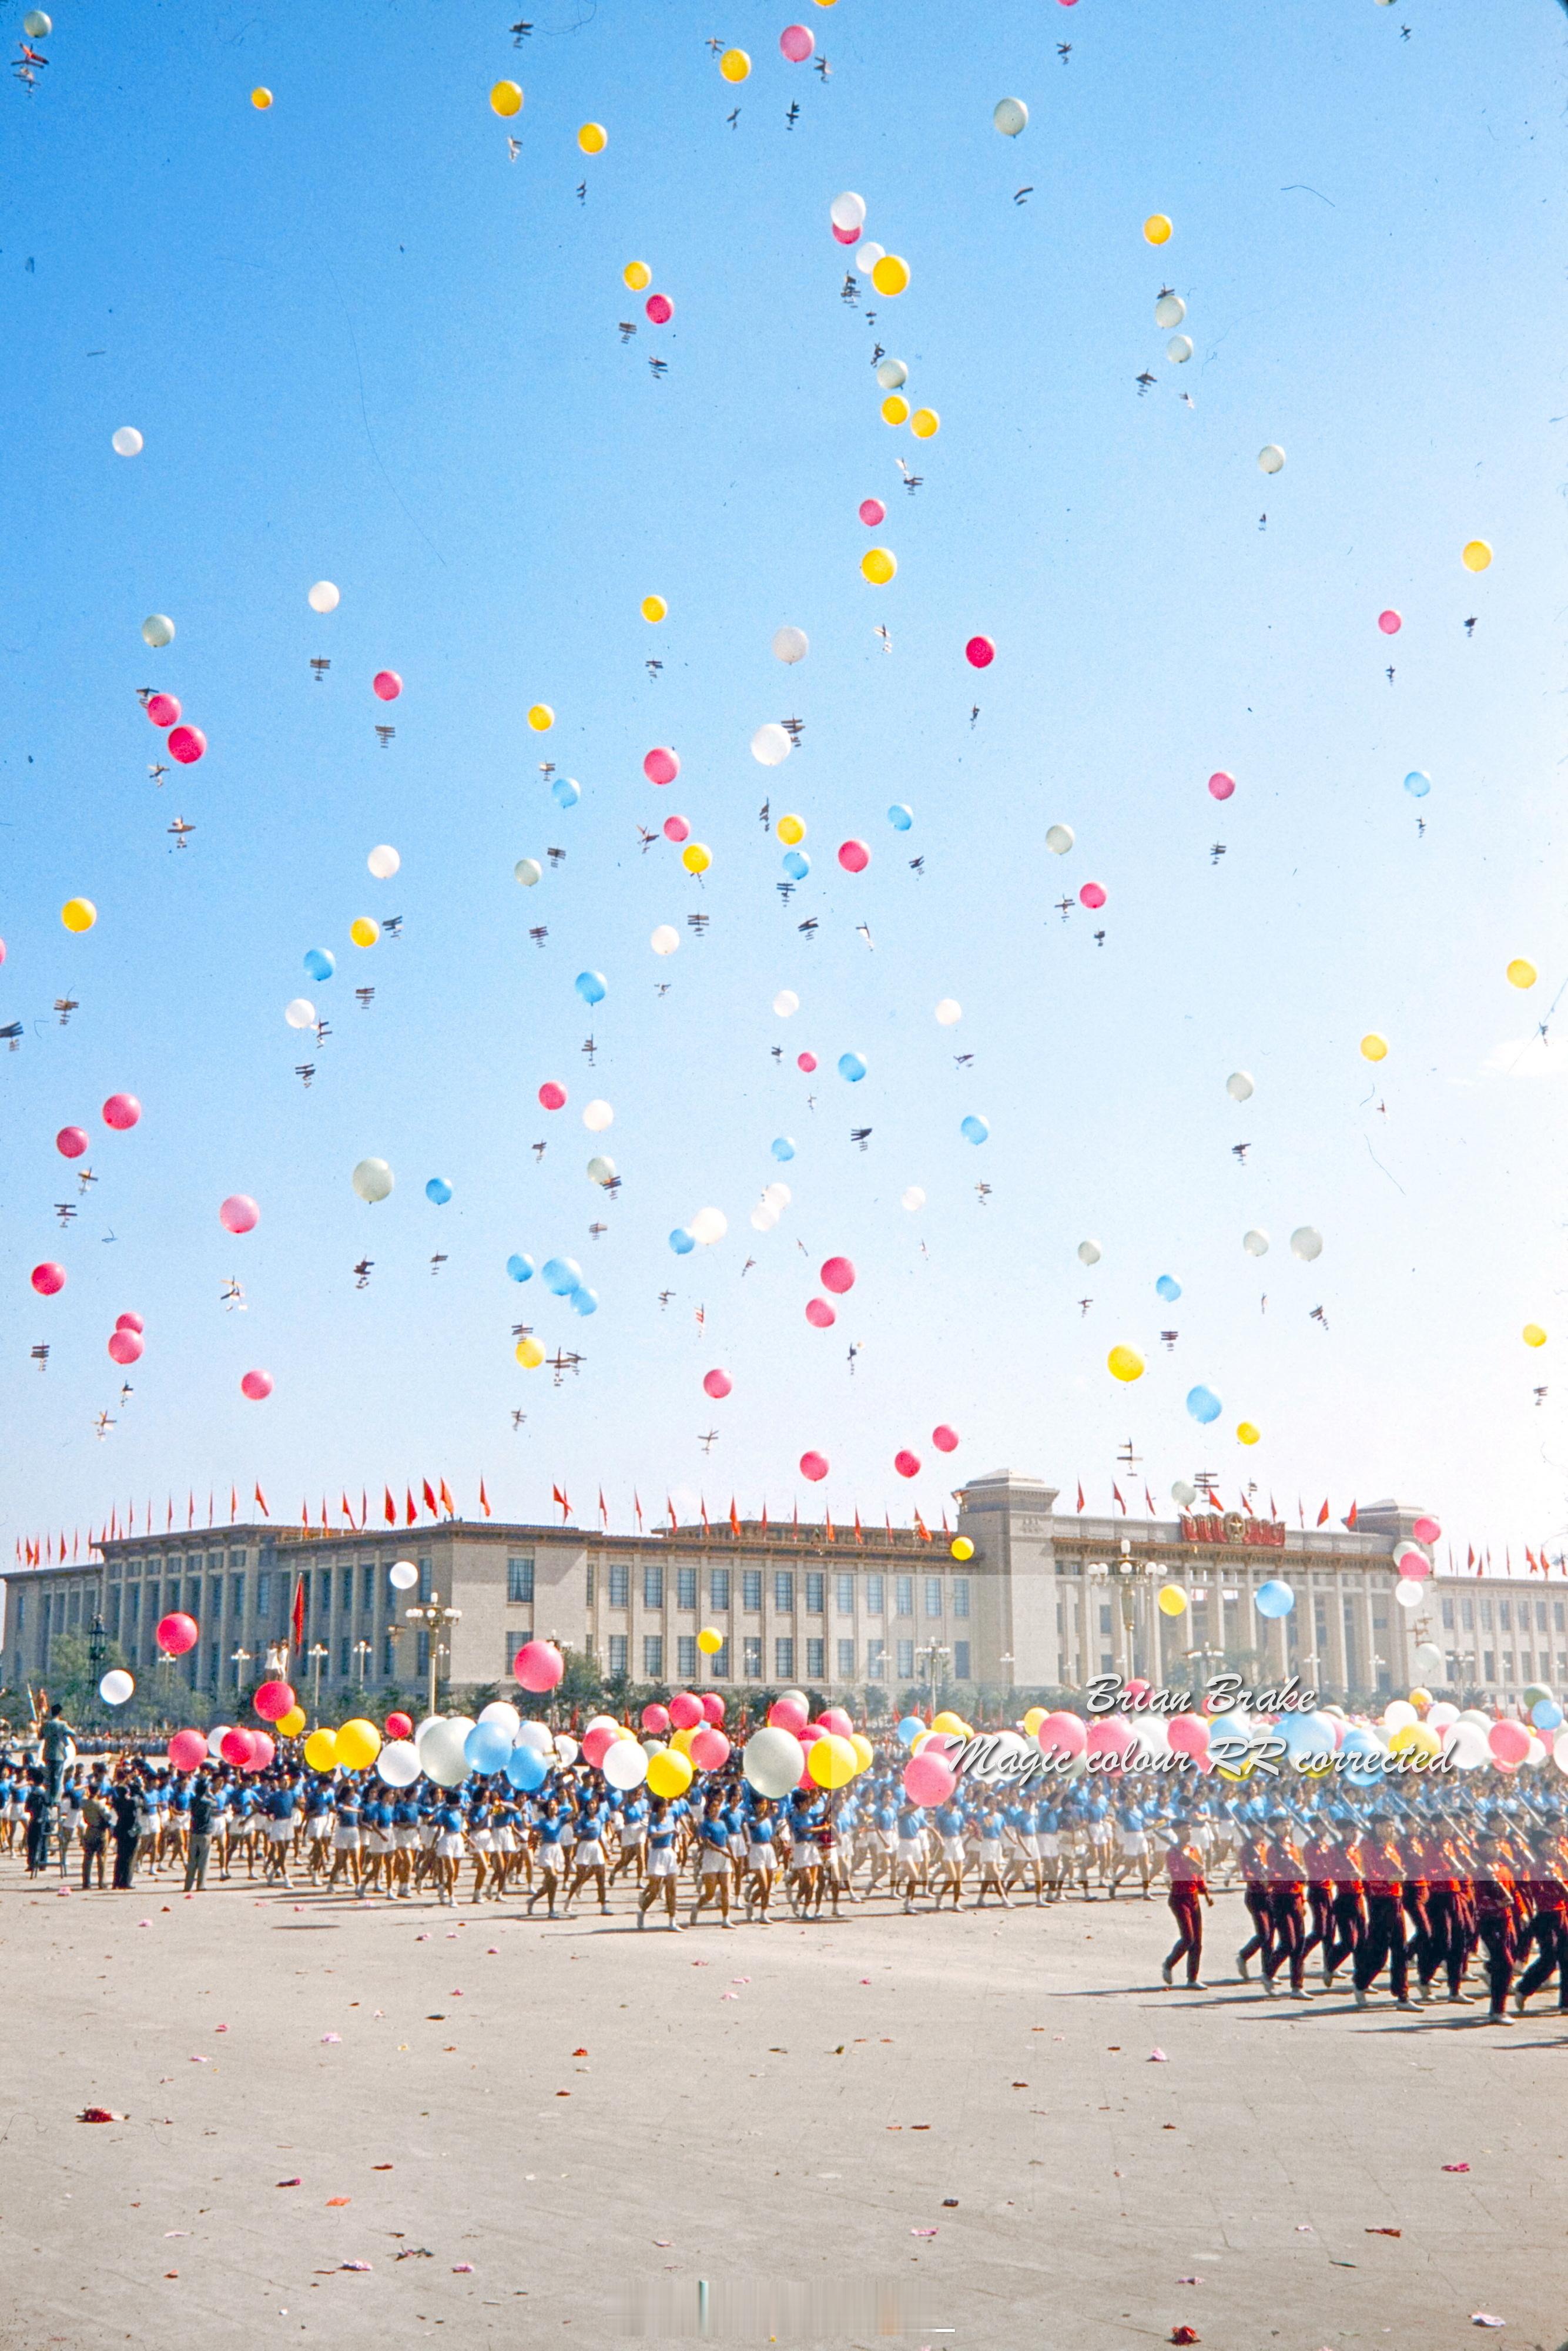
pixel 1188 1889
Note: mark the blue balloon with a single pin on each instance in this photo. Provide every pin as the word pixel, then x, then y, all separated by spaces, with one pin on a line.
pixel 584 1300
pixel 525 1767
pixel 852 1069
pixel 521 1267
pixel 1546 1714
pixel 590 987
pixel 974 1130
pixel 319 963
pixel 909 1729
pixel 900 817
pixel 1203 1403
pixel 439 1190
pixel 783 1147
pixel 565 793
pixel 796 865
pixel 682 1242
pixel 1274 1598
pixel 1417 784
pixel 1169 1288
pixel 487 1747
pixel 562 1276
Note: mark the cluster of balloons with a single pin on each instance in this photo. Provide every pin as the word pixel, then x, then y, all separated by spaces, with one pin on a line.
pixel 793 1751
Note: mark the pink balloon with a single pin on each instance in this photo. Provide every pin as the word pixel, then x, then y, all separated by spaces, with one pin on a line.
pixel 1062 1734
pixel 273 1700
pixel 125 1346
pixel 1220 785
pixel 660 310
pixel 2 950
pixel 979 653
pixel 1107 1738
pixel 129 1322
pixel 820 1314
pixel 1091 894
pixel 710 1750
pixel 187 745
pixel 678 829
pixel 538 1666
pixel 1509 1741
pixel 814 1465
pixel 256 1386
pixel 71 1141
pixel 845 236
pixel 834 1719
pixel 907 1464
pixel 873 511
pixel 716 1383
pixel 686 1710
pixel 48 1280
pixel 400 1725
pixel 262 1752
pixel 927 1780
pixel 597 1743
pixel 239 1213
pixel 386 686
pixel 552 1096
pixel 660 765
pixel 853 856
pixel 713 1705
pixel 945 1439
pixel 188 1750
pixel 1426 1531
pixel 797 43
pixel 121 1110
pixel 654 1718
pixel 787 1714
pixel 1136 1687
pixel 808 1732
pixel 807 1061
pixel 837 1275
pixel 235 1747
pixel 1189 1734
pixel 1390 622
pixel 163 709
pixel 176 1632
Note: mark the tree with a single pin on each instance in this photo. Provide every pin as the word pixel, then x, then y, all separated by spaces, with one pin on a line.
pixel 73 1677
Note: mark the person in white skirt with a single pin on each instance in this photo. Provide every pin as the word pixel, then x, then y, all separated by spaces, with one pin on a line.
pixel 346 1836
pixel 662 1879
pixel 760 1861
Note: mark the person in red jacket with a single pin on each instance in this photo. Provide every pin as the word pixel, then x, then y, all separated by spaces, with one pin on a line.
pixel 1252 1860
pixel 1383 1872
pixel 1546 1892
pixel 1446 1942
pixel 1496 1899
pixel 1188 1889
pixel 1287 1905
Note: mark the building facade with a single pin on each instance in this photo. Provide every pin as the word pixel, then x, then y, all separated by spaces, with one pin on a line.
pixel 1047 1600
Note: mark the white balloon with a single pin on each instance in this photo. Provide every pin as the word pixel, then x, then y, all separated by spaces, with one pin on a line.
pixel 537 1736
pixel 625 1766
pixel 565 1748
pixel 1408 1592
pixel 1559 1750
pixel 790 644
pixel 1535 1755
pixel 1306 1243
pixel 786 1002
pixel 891 375
pixel 600 1169
pixel 1088 1252
pixel 1178 350
pixel 596 1117
pixel 1169 311
pixel 1465 1745
pixel 764 1218
pixel 127 442
pixel 402 1575
pixel 527 871
pixel 771 745
pixel 398 1764
pixel 383 862
pixel 778 1196
pixel 372 1179
pixel 323 597
pixel 1184 1494
pixel 1255 1242
pixel 847 211
pixel 215 1738
pixel 1059 839
pixel 709 1225
pixel 1440 1716
pixel 1398 1710
pixel 666 939
pixel 1238 1085
pixel 1270 458
pixel 867 256
pixel 950 1012
pixel 1427 1659
pixel 441 1751
pixel 157 629
pixel 300 1013
pixel 1011 116
pixel 914 1199
pixel 116 1687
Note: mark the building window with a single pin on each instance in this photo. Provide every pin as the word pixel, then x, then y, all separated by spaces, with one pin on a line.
pixel 784 1590
pixel 873 1595
pixel 133 1612
pixel 367 1586
pixel 22 1611
pixel 588 1576
pixel 113 1614
pixel 784 1658
pixel 815 1659
pixel 685 1590
pixel 345 1589
pixel 1107 1662
pixel 1448 1615
pixel 389 1657
pixel 751 1592
pixel 510 1647
pixel 1490 1664
pixel 422 1653
pixel 263 1596
pixel 719 1587
pixel 846 1661
pixel 654 1651
pixel 816 1592
pixel 961 1597
pixel 906 1661
pixel 686 1654
pixel 215 1666
pixel 520 1580
pixel 843 1595
pixel 1559 1621
pixel 236 1600
pixel 620 1585
pixel 751 1657
pixel 1467 1614
pixel 1504 1617
pixel 1485 1616
pixel 343 1659
pixel 616 1647
pixel 876 1661
pixel 1541 1616
pixel 961 1660
pixel 904 1595
pixel 1105 1618
pixel 653 1587
pixel 237 1559
pixel 934 1595
pixel 718 1663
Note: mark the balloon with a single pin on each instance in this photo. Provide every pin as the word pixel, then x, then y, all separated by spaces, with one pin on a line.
pixel 79 913
pixel 506 99
pixel 593 138
pixel 1255 1242
pixel 1307 1243
pixel 537 1736
pixel 709 1226
pixel 1059 839
pixel 1204 1404
pixel 551 1095
pixel 188 1750
pixel 187 745
pixel 772 745
pixel 1088 1252
pixel 484 1750
pixel 1426 1531
pixel 660 310
pixel 1011 116
pixel 1509 1741
pixel 666 939
pixel 365 930
pixel 814 1465
pixel 636 275
pixel 973 1129
pixel 1171 1600
pixel 300 1013
pixel 1184 1494
pixel 878 564
pixel 526 1768
pixel 358 1744
pixel 176 1632
pixel 589 986
pixel 290 1725
pixel 1062 1734
pixel 1092 896
pixel 373 1180
pixel 686 1710
pixel 961 1548
pixel 1169 311
pixel 807 1061
pixel 928 1780
pixel 538 1666
pixel 1157 229
pixel 716 1383
pixel 914 1199
pixel 444 1750
pixel 796 865
pixel 853 856
pixel 273 1700
pixel 1220 785
pixel 654 609
pixel 1417 783
pixel 383 862
pixel 125 1346
pixel 527 871
pixel 1169 1288
pixel 239 1213
pixel 163 709
pixel 1390 622
pixel 397 1764
pixel 402 1575
pixel 851 1067
pixel 710 1641
pixel 1189 1734
pixel 1411 1561
pixel 158 630
pixel 1124 1364
pixel 790 644
pixel 697 857
pixel 1532 1335
pixel 1246 1433
pixel 323 597
pixel 820 1314
pixel 837 1275
pixel 735 65
pixel 669 1772
pixel 125 442
pixel 1475 556
pixel 925 424
pixel 682 1242
pixel 48 1281
pixel 1374 1048
pixel 1178 350
pixel 1274 1598
pixel 944 1439
pixel 832 1762
pixel 256 1386
pixel 1522 973
pixel 438 1191
pixel 319 963
pixel 116 1687
pixel 1270 458
pixel 237 1747
pixel 907 1464
pixel 1546 1714
pixel 71 1141
pixel 121 1111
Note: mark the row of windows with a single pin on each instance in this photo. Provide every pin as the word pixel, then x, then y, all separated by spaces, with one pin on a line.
pixel 871 1588
pixel 1505 1620
pixel 814 1651
pixel 179 1563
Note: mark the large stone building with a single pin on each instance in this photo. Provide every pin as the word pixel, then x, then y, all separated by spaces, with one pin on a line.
pixel 1047 1600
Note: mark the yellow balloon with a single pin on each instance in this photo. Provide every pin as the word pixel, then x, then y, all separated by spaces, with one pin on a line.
pixel 735 65
pixel 290 1725
pixel 948 1721
pixel 321 1749
pixel 1420 1698
pixel 1032 1721
pixel 1475 556
pixel 1157 229
pixel 1533 1335
pixel 79 913
pixel 895 409
pixel 365 930
pixel 961 1547
pixel 358 1744
pixel 878 565
pixel 789 830
pixel 1522 973
pixel 653 608
pixel 866 1754
pixel 261 99
pixel 636 276
pixel 890 275
pixel 1374 1048
pixel 695 858
pixel 1246 1433
pixel 529 1353
pixel 710 1641
pixel 924 423
pixel 506 97
pixel 680 1741
pixel 831 1761
pixel 669 1772
pixel 542 718
pixel 1425 1740
pixel 1171 1600
pixel 593 138
pixel 1124 1364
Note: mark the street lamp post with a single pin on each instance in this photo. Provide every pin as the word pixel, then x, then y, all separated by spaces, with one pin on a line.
pixel 926 1662
pixel 240 1659
pixel 362 1651
pixel 434 1620
pixel 1122 1572
pixel 317 1651
pixel 97 1641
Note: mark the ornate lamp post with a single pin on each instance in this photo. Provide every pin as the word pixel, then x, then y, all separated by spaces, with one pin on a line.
pixel 433 1619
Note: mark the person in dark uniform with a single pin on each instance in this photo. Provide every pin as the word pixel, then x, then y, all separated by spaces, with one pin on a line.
pixel 39 1807
pixel 200 1816
pixel 125 1804
pixel 56 1736
pixel 1188 1889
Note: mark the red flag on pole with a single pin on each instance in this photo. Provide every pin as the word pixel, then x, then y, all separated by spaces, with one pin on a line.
pixel 669 1506
pixel 261 1501
pixel 827 1524
pixel 1323 1513
pixel 169 1521
pixel 483 1499
pixel 921 1529
pixel 429 1500
pixel 1350 1521
pixel 565 1505
pixel 637 1506
pixel 734 1520
pixel 1081 1493
pixel 234 1505
pixel 389 1508
pixel 702 1505
pixel 859 1536
pixel 189 1509
pixel 297 1613
pixel 1118 1491
pixel 447 1504
pixel 1149 1501
pixel 603 1508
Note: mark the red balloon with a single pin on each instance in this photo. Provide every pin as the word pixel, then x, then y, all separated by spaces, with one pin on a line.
pixel 716 1383
pixel 845 236
pixel 129 1322
pixel 274 1701
pixel 235 1747
pixel 871 512
pixel 1091 894
pixel 659 308
pixel 713 1705
pixel 1062 1734
pixel 853 856
pixel 907 1464
pixel 834 1719
pixel 176 1633
pixel 837 1275
pixel 814 1465
pixel 552 1096
pixel 945 1439
pixel 400 1725
pixel 1220 785
pixel 807 1061
pixel 121 1110
pixel 48 1280
pixel 597 1743
pixel 125 1346
pixel 820 1314
pixel 255 1386
pixel 678 829
pixel 660 765
pixel 386 685
pixel 686 1710
pixel 928 1780
pixel 71 1141
pixel 1390 622
pixel 810 1731
pixel 710 1749
pixel 163 709
pixel 979 653
pixel 787 1714
pixel 538 1666
pixel 1107 1736
pixel 188 1750
pixel 263 1750
pixel 186 744
pixel 655 1719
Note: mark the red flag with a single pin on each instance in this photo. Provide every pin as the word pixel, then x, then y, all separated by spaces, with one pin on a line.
pixel 603 1508
pixel 209 1512
pixel 827 1524
pixel 702 1505
pixel 483 1499
pixel 1081 1493
pixel 797 1523
pixel 410 1513
pixel 887 1522
pixel 1350 1521
pixel 169 1521
pixel 429 1500
pixel 1529 1559
pixel 1301 1513
pixel 389 1508
pixel 921 1529
pixel 1273 1508
pixel 669 1506
pixel 1323 1513
pixel 261 1502
pixel 944 1528
pixel 305 1514
pixel 347 1508
pixel 565 1505
pixel 447 1504
pixel 765 1517
pixel 297 1613
pixel 637 1506
pixel 1118 1491
pixel 1247 1508
pixel 189 1510
pixel 734 1522
pixel 234 1505
pixel 325 1527
pixel 364 1511
pixel 1149 1502
pixel 1506 1560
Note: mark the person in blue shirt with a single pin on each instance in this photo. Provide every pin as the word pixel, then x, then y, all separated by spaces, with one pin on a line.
pixel 634 1838
pixel 760 1861
pixel 713 1861
pixel 587 1857
pixel 405 1841
pixel 377 1842
pixel 346 1834
pixel 662 1828
pixel 1132 1843
pixel 993 1829
pixel 948 1823
pixel 551 1828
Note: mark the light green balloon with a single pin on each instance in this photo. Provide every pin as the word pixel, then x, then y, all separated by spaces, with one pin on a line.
pixel 373 1180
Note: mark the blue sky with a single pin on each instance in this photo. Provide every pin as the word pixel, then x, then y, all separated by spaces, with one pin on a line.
pixel 363 345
